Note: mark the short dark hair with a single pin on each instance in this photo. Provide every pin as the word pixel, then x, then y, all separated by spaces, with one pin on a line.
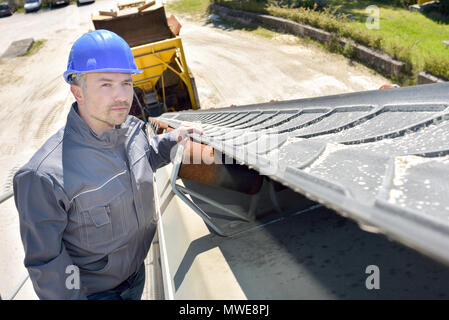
pixel 77 79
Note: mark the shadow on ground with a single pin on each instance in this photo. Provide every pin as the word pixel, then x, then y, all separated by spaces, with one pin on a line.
pixel 319 254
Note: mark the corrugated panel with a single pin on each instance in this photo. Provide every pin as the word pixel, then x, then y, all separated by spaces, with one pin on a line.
pixel 379 157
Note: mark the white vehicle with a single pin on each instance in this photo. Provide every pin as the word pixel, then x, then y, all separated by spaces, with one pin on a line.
pixel 32 5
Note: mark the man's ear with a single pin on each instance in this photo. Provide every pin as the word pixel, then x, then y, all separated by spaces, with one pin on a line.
pixel 77 93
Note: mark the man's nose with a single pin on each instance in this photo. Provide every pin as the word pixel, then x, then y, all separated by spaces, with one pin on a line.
pixel 121 94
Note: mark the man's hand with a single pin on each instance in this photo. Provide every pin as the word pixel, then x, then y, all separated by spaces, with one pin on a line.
pixel 186 128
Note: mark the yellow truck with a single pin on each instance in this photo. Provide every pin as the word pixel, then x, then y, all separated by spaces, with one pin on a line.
pixel 166 83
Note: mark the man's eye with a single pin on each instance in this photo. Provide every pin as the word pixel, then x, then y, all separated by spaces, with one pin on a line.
pixel 128 84
pixel 106 85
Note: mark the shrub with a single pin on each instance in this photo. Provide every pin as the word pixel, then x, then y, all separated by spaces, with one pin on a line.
pixel 407 3
pixel 437 65
pixel 310 4
pixel 444 7
pixel 348 50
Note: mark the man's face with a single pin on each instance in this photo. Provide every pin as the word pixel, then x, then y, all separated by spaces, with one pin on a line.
pixel 106 99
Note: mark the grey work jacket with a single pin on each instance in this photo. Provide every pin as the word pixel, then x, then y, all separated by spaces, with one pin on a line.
pixel 87 201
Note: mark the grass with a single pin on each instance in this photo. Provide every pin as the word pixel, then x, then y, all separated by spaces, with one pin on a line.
pixel 411 37
pixel 35 48
pixel 191 7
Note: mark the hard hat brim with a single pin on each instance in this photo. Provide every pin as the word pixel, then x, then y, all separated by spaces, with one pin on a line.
pixel 106 70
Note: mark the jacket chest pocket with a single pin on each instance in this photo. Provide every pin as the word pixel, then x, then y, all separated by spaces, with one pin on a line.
pixel 102 213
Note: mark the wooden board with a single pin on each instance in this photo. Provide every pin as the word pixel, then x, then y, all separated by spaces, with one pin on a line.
pixel 126 4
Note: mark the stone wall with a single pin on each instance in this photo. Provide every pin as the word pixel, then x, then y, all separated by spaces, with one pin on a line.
pixel 425 78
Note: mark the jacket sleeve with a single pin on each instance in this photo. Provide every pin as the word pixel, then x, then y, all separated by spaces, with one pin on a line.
pixel 43 219
pixel 162 149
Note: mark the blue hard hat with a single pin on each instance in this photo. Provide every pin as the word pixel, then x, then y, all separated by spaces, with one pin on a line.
pixel 100 51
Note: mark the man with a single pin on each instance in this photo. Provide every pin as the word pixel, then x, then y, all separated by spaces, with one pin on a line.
pixel 85 199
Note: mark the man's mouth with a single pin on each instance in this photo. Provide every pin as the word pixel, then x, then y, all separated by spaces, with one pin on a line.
pixel 119 108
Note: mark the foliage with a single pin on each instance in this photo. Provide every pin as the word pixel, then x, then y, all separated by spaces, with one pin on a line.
pixel 444 7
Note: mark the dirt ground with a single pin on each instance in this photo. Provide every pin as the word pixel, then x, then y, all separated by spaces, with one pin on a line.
pixel 230 67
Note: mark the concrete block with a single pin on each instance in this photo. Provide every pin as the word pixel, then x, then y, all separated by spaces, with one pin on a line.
pixel 425 78
pixel 18 48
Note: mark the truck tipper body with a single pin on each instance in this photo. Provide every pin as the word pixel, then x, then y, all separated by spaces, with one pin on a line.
pixel 166 83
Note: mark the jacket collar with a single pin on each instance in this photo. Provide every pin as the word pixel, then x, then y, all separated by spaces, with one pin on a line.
pixel 110 138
